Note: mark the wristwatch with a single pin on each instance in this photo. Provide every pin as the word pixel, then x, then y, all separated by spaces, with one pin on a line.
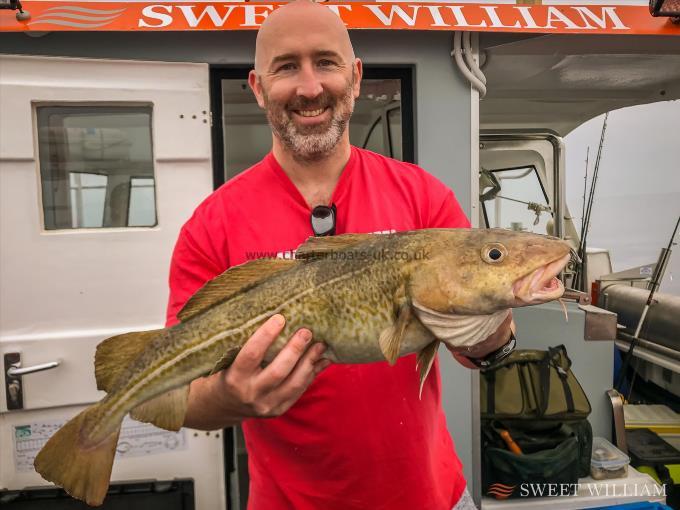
pixel 496 356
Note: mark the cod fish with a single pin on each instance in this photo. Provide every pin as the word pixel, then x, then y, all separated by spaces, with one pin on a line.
pixel 369 297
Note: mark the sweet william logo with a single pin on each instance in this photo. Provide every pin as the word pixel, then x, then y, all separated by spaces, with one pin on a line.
pixel 647 489
pixel 85 18
pixel 500 490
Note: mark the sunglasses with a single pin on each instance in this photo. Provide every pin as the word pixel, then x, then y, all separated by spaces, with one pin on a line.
pixel 323 220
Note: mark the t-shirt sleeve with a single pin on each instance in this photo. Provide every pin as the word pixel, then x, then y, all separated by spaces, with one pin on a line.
pixel 190 268
pixel 445 211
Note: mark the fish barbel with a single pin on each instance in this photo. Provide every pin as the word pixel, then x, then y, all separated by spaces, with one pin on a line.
pixel 369 297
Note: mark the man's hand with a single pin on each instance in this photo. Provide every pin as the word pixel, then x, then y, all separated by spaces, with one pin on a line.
pixel 246 390
pixel 496 340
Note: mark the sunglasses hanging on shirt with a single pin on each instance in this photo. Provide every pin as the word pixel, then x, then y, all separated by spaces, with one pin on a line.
pixel 323 220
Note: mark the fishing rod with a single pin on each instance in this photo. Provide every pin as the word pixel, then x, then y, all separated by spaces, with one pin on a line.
pixel 585 190
pixel 653 287
pixel 575 283
pixel 581 275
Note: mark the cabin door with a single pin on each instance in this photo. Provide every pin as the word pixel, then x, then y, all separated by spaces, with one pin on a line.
pixel 101 162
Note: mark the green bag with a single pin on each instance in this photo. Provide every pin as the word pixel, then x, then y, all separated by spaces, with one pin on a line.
pixel 533 384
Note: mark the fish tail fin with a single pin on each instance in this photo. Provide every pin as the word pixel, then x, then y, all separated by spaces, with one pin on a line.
pixel 83 470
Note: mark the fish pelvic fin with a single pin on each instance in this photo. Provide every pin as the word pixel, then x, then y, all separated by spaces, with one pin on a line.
pixel 166 411
pixel 391 337
pixel 83 470
pixel 115 354
pixel 321 247
pixel 234 280
pixel 424 362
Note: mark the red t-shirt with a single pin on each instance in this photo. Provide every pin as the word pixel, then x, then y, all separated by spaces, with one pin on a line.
pixel 359 438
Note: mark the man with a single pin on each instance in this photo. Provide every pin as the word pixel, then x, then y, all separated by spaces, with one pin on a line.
pixel 341 437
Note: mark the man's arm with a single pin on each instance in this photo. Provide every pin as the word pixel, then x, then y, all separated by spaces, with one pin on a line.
pixel 245 389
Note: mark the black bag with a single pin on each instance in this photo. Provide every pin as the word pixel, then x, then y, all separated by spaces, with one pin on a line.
pixel 534 400
pixel 553 453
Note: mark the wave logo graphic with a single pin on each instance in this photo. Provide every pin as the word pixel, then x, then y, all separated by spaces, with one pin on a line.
pixel 500 490
pixel 78 17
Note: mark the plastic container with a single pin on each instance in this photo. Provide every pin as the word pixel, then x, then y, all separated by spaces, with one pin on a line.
pixel 607 460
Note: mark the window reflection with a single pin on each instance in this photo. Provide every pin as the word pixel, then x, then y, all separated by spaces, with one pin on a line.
pixel 88 195
pixel 375 141
pixel 141 211
pixel 394 120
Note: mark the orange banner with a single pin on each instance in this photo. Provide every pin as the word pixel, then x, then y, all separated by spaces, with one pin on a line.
pixel 112 16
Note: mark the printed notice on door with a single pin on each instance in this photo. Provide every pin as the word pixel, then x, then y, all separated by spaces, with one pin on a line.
pixel 136 439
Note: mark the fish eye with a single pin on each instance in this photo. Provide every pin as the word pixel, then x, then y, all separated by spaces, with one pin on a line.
pixel 494 253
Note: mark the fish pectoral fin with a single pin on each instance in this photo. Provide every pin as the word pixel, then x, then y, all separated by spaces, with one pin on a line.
pixel 320 247
pixel 166 411
pixel 391 337
pixel 234 280
pixel 424 362
pixel 115 354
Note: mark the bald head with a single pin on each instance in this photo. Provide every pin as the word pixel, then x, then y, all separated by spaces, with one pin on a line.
pixel 294 22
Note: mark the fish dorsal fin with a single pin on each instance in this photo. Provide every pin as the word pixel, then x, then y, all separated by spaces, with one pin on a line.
pixel 320 247
pixel 233 280
pixel 424 362
pixel 116 353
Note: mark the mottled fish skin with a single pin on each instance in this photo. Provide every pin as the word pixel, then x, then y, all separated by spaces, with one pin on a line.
pixel 354 299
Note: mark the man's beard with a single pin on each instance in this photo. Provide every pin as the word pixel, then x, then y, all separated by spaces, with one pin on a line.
pixel 311 143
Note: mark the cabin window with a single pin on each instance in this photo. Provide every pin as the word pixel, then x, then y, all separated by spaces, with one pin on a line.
pixel 96 166
pixel 514 198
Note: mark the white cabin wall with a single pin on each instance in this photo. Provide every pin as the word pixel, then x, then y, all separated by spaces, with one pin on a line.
pixel 446 139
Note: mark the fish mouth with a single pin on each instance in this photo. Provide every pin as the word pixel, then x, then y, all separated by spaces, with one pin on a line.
pixel 541 285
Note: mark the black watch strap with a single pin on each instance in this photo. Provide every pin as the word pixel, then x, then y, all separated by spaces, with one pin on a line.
pixel 496 356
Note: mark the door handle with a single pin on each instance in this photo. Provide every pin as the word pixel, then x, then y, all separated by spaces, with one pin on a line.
pixel 13 372
pixel 16 369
